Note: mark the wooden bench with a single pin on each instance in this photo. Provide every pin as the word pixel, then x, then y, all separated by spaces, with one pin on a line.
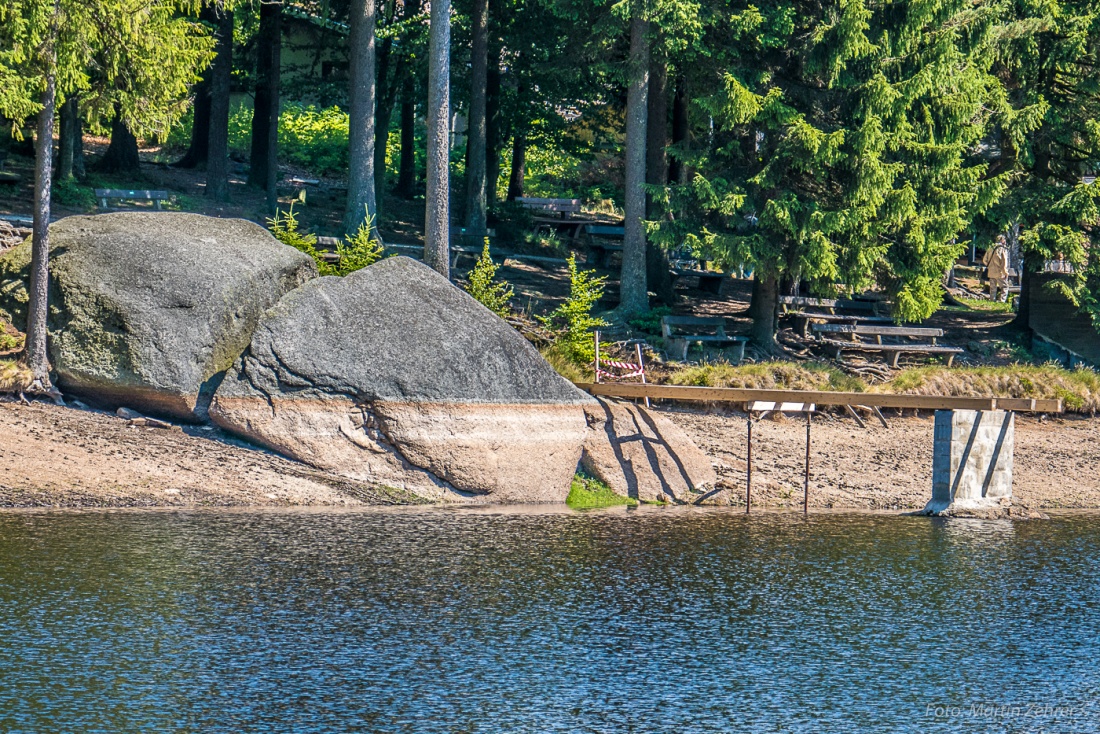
pixel 805 318
pixel 677 342
pixel 829 305
pixel 602 250
pixel 857 330
pixel 709 281
pixel 894 350
pixel 562 207
pixel 105 195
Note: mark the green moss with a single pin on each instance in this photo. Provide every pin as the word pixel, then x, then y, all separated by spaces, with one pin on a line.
pixel 587 493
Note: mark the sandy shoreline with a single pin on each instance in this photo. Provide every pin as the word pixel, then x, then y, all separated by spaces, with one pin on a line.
pixel 61 457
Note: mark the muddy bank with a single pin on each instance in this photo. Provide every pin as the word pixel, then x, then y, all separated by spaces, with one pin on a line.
pixel 63 457
pixel 1056 460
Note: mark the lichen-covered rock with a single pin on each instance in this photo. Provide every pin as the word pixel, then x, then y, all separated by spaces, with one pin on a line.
pixel 392 375
pixel 146 309
pixel 641 454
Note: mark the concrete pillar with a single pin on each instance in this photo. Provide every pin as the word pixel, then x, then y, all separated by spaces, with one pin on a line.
pixel 972 460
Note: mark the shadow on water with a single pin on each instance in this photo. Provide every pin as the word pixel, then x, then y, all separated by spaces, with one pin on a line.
pixel 537 619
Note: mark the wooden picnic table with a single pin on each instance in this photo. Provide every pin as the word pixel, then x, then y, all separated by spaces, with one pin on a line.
pixel 805 318
pixel 564 208
pixel 857 330
pixel 894 350
pixel 680 332
pixel 709 280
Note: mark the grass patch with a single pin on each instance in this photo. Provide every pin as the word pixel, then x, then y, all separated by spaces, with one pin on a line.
pixel 563 364
pixel 587 493
pixel 14 376
pixel 1079 388
pixel 980 304
pixel 768 376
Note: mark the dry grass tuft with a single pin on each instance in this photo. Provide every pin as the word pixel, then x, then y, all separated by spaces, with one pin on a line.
pixel 768 376
pixel 14 376
pixel 564 366
pixel 1080 388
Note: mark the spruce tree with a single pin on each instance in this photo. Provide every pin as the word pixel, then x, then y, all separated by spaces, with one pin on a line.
pixel 843 151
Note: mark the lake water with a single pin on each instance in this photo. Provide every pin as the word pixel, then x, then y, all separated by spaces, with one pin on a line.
pixel 649 620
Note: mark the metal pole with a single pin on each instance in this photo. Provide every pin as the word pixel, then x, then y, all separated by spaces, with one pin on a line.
pixel 748 479
pixel 596 335
pixel 806 495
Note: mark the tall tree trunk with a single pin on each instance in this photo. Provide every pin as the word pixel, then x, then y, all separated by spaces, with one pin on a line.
pixel 217 163
pixel 519 166
pixel 198 152
pixel 37 357
pixel 476 201
pixel 122 153
pixel 78 145
pixel 658 275
pixel 656 167
pixel 66 139
pixel 492 127
pixel 263 160
pixel 1031 263
pixel 632 282
pixel 437 205
pixel 406 176
pixel 362 88
pixel 764 310
pixel 676 169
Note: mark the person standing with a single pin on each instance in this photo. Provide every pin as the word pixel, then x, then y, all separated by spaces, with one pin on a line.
pixel 996 263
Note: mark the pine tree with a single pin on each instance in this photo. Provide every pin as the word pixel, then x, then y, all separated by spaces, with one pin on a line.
pixel 1049 64
pixel 843 148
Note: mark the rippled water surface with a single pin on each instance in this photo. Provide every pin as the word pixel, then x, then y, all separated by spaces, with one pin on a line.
pixel 626 621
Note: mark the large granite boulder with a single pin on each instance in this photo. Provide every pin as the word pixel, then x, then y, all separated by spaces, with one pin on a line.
pixel 641 454
pixel 148 309
pixel 394 376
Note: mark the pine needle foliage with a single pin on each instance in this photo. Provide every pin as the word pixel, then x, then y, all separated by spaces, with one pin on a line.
pixel 844 143
pixel 573 319
pixel 483 286
pixel 356 252
pixel 285 228
pixel 359 250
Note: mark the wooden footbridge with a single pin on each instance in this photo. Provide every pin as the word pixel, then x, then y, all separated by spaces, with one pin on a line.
pixel 805 401
pixel 822 397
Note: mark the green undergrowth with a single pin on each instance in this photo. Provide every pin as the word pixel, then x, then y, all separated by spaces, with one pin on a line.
pixel 1079 388
pixel 768 376
pixel 587 493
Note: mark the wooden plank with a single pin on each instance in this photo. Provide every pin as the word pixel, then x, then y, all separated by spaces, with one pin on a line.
pixel 804 301
pixel 133 194
pixel 841 317
pixel 872 330
pixel 913 348
pixel 605 230
pixel 693 320
pixel 871 400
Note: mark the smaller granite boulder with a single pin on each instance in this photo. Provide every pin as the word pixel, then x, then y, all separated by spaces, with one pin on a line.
pixel 392 375
pixel 641 454
pixel 147 309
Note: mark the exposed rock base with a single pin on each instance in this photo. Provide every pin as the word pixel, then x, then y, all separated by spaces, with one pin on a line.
pixel 392 375
pixel 641 454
